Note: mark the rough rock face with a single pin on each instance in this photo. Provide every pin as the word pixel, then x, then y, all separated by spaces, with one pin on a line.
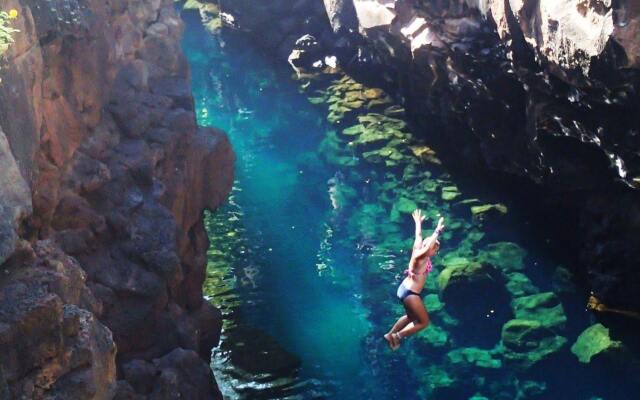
pixel 104 175
pixel 279 23
pixel 542 91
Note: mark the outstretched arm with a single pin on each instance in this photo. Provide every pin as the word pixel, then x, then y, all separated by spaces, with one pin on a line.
pixel 418 218
pixel 431 239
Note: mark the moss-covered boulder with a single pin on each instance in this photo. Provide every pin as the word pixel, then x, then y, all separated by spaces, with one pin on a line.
pixel 425 154
pixel 432 303
pixel 485 211
pixel 526 342
pixel 474 277
pixel 507 256
pixel 518 284
pixel 594 343
pixel 434 336
pixel 405 205
pixel 542 307
pixel 450 193
pixel 473 357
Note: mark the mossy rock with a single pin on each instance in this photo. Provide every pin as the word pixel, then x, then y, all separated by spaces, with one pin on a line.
pixel 354 130
pixel 371 136
pixel 595 342
pixel 543 307
pixel 434 336
pixel 405 205
pixel 371 119
pixel 381 102
pixel 373 93
pixel 438 384
pixel 488 210
pixel 526 342
pixel 428 185
pixel 453 260
pixel 373 157
pixel 473 357
pixel 412 172
pixel 474 235
pixel 450 193
pixel 393 123
pixel 432 303
pixel 518 284
pixel 426 154
pixel 507 256
pixel 353 104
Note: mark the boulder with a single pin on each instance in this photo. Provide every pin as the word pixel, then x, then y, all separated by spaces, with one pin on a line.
pixel 543 307
pixel 526 343
pixel 595 344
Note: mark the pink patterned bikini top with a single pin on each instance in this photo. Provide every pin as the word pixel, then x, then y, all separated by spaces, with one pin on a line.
pixel 427 268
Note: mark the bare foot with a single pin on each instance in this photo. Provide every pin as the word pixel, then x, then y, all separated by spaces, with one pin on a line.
pixel 391 340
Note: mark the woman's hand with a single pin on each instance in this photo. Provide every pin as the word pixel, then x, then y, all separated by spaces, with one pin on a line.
pixel 440 226
pixel 417 216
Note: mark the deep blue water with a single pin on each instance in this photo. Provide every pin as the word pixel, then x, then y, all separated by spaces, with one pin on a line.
pixel 306 257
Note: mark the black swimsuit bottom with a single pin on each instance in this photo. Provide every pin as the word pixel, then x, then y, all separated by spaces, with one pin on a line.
pixel 403 292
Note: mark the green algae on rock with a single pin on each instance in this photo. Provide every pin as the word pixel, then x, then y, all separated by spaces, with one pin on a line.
pixel 507 256
pixel 595 342
pixel 527 342
pixel 518 284
pixel 461 276
pixel 488 210
pixel 467 357
pixel 450 193
pixel 434 336
pixel 543 307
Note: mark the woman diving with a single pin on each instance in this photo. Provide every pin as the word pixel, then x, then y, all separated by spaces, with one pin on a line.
pixel 416 318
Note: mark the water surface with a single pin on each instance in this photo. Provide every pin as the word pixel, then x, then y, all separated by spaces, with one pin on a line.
pixel 306 257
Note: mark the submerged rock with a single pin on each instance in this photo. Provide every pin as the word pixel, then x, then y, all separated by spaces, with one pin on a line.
pixel 594 343
pixel 507 256
pixel 543 307
pixel 470 358
pixel 526 343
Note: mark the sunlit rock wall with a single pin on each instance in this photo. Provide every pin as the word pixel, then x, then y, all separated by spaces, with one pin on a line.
pixel 545 92
pixel 104 175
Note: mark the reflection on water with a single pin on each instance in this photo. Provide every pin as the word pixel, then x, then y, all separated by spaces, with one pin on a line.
pixel 306 256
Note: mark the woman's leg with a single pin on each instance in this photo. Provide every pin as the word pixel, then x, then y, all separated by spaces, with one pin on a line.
pixel 418 314
pixel 394 343
pixel 400 323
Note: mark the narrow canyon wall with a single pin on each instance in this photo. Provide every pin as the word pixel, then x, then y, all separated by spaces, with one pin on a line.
pixel 104 175
pixel 544 92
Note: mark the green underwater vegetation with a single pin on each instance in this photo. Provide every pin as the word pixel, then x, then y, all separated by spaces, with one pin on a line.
pixel 497 323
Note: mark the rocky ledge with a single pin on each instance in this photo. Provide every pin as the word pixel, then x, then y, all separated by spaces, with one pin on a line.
pixel 104 175
pixel 543 93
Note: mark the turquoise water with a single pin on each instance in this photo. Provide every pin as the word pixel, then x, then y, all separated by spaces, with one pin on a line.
pixel 306 257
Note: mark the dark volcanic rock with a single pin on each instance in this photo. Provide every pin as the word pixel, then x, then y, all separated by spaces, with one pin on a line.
pixel 104 176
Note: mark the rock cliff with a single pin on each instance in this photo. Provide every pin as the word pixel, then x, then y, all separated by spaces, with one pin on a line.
pixel 541 92
pixel 104 175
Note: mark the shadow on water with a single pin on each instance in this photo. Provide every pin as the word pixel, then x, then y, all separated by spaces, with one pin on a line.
pixel 307 254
